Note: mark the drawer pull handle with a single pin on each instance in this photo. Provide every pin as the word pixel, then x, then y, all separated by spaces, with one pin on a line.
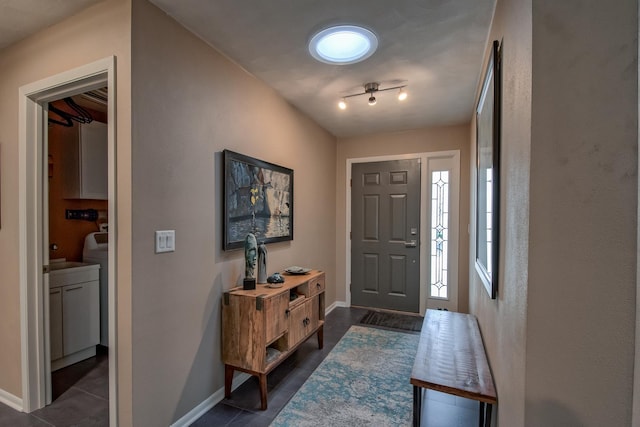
pixel 287 312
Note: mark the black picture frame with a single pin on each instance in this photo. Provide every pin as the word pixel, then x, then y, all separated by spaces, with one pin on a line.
pixel 258 198
pixel 488 174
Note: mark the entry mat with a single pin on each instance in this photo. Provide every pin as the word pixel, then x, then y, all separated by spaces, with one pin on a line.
pixel 384 319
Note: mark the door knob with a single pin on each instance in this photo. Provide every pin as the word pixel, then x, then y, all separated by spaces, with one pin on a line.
pixel 411 244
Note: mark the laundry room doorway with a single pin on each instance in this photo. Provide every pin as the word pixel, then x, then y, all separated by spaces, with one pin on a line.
pixel 67 158
pixel 77 177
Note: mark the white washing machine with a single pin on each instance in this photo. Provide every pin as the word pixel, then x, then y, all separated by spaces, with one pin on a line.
pixel 96 250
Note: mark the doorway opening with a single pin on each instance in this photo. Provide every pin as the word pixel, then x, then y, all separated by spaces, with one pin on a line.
pixel 38 276
pixel 77 212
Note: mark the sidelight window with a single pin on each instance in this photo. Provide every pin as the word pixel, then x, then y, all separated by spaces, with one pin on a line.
pixel 439 234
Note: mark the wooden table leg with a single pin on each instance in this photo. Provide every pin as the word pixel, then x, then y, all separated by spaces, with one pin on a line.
pixel 321 337
pixel 263 391
pixel 417 405
pixel 228 380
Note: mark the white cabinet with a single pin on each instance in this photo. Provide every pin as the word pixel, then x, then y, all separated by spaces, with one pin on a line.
pixel 55 322
pixel 74 314
pixel 80 316
pixel 86 162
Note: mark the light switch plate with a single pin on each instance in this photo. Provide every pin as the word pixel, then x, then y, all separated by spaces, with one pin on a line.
pixel 165 241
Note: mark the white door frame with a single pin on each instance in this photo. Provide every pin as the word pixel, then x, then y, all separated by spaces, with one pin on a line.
pixel 424 237
pixel 34 323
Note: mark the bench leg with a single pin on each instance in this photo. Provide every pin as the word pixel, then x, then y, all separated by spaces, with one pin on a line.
pixel 488 415
pixel 417 405
pixel 485 415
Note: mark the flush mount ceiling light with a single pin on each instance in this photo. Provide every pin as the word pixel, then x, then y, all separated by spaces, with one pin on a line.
pixel 370 89
pixel 343 44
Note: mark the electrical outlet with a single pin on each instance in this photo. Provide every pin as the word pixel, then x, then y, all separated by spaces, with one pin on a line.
pixel 165 241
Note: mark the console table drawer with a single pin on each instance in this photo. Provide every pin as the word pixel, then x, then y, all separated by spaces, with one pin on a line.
pixel 316 285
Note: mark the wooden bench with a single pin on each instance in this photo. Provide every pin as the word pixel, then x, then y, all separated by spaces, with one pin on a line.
pixel 451 359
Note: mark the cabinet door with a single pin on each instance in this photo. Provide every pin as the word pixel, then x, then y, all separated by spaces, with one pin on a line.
pixel 275 312
pixel 80 316
pixel 93 161
pixel 55 323
pixel 297 324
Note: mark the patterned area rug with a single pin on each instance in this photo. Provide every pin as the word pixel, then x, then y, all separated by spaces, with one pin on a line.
pixel 384 319
pixel 364 381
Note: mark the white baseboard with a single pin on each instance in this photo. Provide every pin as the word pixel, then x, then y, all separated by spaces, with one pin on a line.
pixel 191 416
pixel 11 400
pixel 334 305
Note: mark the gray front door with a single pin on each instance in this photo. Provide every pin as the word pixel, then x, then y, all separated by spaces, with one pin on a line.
pixel 385 233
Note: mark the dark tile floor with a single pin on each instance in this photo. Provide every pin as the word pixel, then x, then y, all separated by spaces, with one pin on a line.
pixel 243 408
pixel 82 391
pixel 80 398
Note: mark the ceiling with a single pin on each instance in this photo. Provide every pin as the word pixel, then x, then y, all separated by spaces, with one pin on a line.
pixel 21 18
pixel 435 47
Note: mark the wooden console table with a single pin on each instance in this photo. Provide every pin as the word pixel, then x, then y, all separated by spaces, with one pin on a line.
pixel 262 327
pixel 451 359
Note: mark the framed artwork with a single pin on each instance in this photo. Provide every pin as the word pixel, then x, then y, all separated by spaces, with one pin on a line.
pixel 258 199
pixel 488 174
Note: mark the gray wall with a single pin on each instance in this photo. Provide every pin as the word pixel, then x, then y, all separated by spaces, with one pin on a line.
pixel 503 321
pixel 582 242
pixel 560 336
pixel 188 104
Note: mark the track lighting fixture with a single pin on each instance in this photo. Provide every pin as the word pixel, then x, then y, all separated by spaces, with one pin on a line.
pixel 370 89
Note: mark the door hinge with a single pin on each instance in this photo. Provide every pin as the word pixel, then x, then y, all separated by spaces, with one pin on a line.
pixel 45 269
pixel 350 182
pixel 350 235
